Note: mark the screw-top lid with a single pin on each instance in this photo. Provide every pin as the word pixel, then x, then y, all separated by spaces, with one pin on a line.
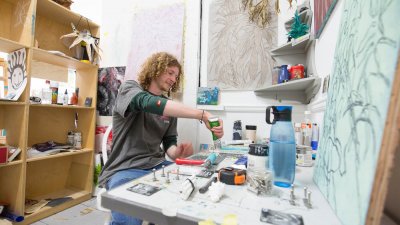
pixel 258 149
pixel 283 113
pixel 213 119
pixel 251 127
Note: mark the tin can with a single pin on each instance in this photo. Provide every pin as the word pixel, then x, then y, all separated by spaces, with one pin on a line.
pixel 304 155
pixel 70 138
pixel 214 122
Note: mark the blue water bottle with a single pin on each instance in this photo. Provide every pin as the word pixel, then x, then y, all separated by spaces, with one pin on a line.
pixel 282 145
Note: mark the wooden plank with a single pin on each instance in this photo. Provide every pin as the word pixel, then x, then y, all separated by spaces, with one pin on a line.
pixel 60 155
pixel 77 197
pixel 11 179
pixel 67 62
pixel 389 145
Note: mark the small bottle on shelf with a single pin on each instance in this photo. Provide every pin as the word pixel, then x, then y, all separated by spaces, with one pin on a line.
pixel 65 97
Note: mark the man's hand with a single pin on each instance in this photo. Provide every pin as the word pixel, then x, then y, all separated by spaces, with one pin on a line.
pixel 218 131
pixel 184 149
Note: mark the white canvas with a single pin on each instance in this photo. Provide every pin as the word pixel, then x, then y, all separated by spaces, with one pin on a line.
pixel 237 50
pixel 358 99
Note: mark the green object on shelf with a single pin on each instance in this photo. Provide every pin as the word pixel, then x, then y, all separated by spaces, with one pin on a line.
pixel 298 28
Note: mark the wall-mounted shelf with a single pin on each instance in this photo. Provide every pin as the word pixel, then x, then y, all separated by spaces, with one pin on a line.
pixel 305 17
pixel 211 107
pixel 302 90
pixel 296 46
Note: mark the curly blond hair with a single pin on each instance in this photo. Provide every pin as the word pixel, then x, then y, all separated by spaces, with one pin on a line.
pixel 157 64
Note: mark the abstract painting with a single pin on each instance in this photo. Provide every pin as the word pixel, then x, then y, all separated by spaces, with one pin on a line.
pixel 322 11
pixel 358 99
pixel 155 30
pixel 238 56
pixel 110 78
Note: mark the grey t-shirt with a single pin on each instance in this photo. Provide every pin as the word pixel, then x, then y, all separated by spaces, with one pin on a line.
pixel 137 135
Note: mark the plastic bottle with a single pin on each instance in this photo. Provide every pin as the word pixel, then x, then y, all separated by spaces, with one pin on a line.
pixel 46 93
pixel 282 149
pixel 65 97
pixel 54 92
pixel 214 122
pixel 306 128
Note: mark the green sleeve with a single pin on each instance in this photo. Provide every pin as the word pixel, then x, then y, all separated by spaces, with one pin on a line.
pixel 168 141
pixel 146 102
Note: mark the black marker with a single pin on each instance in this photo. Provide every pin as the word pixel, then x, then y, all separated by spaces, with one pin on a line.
pixel 204 189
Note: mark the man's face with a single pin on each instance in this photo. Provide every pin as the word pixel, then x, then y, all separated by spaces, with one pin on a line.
pixel 168 78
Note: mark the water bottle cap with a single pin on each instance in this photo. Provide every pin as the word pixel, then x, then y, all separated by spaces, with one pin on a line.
pixel 251 127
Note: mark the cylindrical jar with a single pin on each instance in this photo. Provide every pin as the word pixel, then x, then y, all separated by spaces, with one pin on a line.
pixel 257 158
pixel 251 132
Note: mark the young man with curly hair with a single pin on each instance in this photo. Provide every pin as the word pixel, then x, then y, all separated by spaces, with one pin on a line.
pixel 143 119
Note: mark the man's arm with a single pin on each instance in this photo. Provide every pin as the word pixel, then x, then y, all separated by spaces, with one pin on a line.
pixel 147 102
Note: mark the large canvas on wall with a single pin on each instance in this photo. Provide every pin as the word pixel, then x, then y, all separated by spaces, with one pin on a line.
pixel 155 30
pixel 237 52
pixel 358 98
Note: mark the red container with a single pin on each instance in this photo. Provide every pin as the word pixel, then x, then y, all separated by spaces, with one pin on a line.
pixel 296 72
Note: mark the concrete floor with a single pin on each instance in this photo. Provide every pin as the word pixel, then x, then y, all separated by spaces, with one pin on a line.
pixel 85 213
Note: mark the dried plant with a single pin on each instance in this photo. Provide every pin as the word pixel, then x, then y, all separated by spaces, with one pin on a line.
pixel 259 13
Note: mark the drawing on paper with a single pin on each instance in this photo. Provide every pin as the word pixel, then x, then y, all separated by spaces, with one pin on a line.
pixel 238 55
pixel 110 78
pixel 155 30
pixel 358 99
pixel 16 74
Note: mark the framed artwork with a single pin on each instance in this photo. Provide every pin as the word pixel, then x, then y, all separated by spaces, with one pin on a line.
pixel 322 11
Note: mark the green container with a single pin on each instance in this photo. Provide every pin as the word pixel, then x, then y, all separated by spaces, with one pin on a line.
pixel 214 122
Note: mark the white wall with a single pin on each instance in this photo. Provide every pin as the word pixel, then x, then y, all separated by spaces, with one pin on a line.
pixel 243 105
pixel 324 55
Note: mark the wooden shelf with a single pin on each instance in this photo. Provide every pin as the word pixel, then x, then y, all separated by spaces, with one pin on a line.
pixel 61 14
pixel 296 46
pixel 11 103
pixel 9 46
pixel 12 163
pixel 77 196
pixel 63 61
pixel 59 155
pixel 38 28
pixel 60 106
pixel 302 89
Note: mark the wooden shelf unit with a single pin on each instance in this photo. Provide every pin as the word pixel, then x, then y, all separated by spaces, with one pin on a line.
pixel 37 26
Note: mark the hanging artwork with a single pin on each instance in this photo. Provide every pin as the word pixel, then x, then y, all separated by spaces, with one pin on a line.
pixel 322 11
pixel 155 30
pixel 16 74
pixel 237 52
pixel 358 99
pixel 110 78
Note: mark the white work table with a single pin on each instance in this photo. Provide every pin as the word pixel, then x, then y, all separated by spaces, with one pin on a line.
pixel 166 206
